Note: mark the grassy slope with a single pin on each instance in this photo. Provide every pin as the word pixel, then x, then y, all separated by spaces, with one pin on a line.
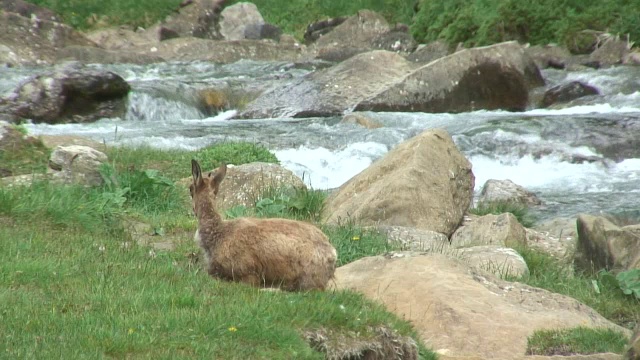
pixel 74 284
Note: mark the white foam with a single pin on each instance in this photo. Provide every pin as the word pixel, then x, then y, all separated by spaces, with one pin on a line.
pixel 322 168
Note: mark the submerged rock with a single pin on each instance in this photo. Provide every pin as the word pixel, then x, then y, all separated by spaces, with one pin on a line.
pixel 564 93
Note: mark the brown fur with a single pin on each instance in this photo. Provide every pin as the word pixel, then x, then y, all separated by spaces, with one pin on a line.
pixel 292 255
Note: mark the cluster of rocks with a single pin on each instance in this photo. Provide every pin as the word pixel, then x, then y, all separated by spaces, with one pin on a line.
pixel 379 67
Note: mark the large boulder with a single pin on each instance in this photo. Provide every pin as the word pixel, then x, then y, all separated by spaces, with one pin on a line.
pixel 461 311
pixel 500 230
pixel 198 18
pixel 330 91
pixel 494 77
pixel 506 191
pixel 603 245
pixel 424 182
pixel 71 94
pixel 235 19
pixel 35 40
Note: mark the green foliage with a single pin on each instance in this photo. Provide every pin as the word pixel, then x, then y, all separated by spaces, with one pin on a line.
pixel 21 155
pixel 236 153
pixel 606 298
pixel 352 242
pixel 91 14
pixel 145 190
pixel 629 282
pixel 483 22
pixel 580 340
pixel 64 206
pixel 520 211
pixel 284 202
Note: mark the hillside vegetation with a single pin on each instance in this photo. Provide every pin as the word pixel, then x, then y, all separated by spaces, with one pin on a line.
pixel 573 23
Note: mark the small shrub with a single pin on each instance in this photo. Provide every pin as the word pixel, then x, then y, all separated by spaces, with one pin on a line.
pixel 629 282
pixel 580 340
pixel 520 211
pixel 236 153
pixel 284 202
pixel 146 190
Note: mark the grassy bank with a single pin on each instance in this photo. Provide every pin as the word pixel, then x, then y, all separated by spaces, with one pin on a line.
pixel 478 22
pixel 76 283
pixel 483 22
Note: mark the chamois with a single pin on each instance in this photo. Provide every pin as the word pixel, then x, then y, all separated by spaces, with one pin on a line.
pixel 291 255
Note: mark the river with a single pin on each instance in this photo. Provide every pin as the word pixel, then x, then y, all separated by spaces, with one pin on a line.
pixel 580 158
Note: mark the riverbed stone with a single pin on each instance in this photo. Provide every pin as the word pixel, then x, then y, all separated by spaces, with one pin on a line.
pixel 506 191
pixel 35 39
pixel 385 81
pixel 70 94
pixel 197 18
pixel 564 93
pixel 603 245
pixel 425 182
pixel 235 19
pixel 360 119
pixel 492 77
pixel 461 311
pixel 501 230
pixel 77 164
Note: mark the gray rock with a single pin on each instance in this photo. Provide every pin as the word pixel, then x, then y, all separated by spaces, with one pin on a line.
pixel 500 230
pixel 603 245
pixel 500 261
pixel 200 19
pixel 236 18
pixel 71 94
pixel 564 93
pixel 77 164
pixel 506 191
pixel 413 239
pixel 430 52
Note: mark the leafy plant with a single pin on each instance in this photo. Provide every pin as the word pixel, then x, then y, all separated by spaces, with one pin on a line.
pixel 629 282
pixel 147 189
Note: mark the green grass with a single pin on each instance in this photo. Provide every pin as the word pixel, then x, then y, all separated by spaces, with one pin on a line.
pixel 91 14
pixel 81 295
pixel 20 155
pixel 74 283
pixel 605 297
pixel 579 340
pixel 483 22
pixel 520 211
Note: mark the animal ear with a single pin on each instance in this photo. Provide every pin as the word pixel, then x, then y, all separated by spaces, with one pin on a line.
pixel 219 176
pixel 196 171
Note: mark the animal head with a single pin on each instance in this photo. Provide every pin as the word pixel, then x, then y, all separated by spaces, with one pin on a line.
pixel 205 186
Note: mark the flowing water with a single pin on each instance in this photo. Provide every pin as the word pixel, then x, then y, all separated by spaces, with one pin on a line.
pixel 582 158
